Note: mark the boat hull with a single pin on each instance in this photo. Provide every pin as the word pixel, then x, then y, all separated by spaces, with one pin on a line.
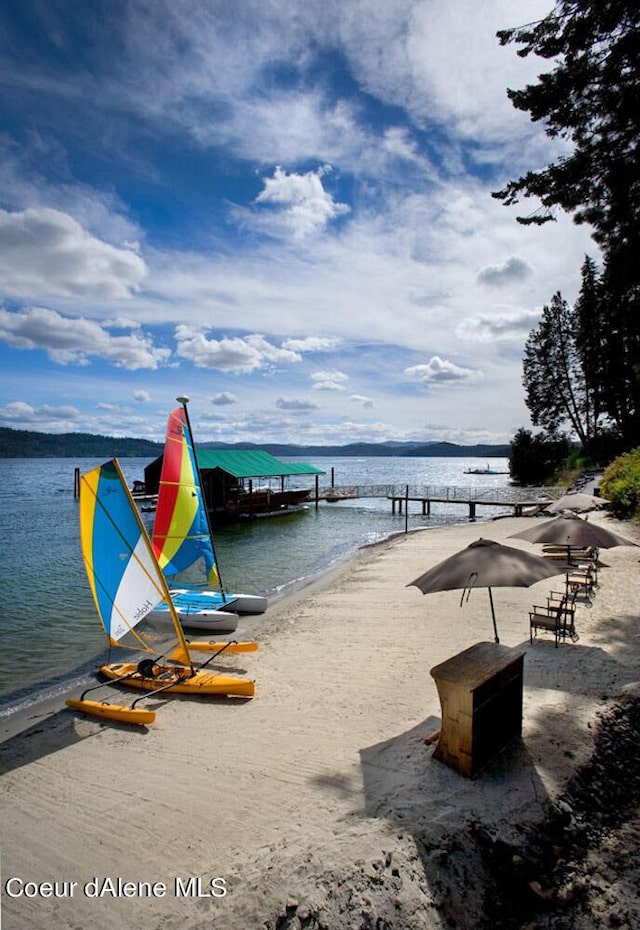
pixel 116 712
pixel 185 599
pixel 208 611
pixel 263 502
pixel 209 621
pixel 198 611
pixel 229 649
pixel 243 603
pixel 202 681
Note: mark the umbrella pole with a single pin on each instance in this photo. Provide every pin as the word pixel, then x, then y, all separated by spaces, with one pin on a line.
pixel 493 616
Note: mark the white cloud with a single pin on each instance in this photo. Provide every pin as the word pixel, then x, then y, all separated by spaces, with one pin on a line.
pixel 295 405
pixel 401 278
pixel 485 327
pixel 398 143
pixel 70 340
pixel 334 375
pixel 142 397
pixel 234 354
pixel 301 203
pixel 47 252
pixel 444 62
pixel 311 344
pixel 21 412
pixel 329 380
pixel 440 371
pixel 361 399
pixel 328 386
pixel 271 353
pixel 407 275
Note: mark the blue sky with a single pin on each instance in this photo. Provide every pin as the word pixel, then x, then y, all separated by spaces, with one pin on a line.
pixel 281 210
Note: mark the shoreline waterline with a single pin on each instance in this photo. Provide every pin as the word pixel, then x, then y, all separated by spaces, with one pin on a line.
pixel 21 708
pixel 50 634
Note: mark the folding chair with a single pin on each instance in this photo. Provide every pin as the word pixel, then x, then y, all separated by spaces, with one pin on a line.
pixel 559 620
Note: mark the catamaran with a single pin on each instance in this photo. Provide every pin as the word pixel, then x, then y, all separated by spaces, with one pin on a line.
pixel 183 540
pixel 126 582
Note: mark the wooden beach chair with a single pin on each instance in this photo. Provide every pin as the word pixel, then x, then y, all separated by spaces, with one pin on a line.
pixel 572 554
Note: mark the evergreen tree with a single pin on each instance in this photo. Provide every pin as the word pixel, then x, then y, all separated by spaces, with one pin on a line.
pixel 590 337
pixel 535 458
pixel 553 380
pixel 565 367
pixel 621 345
pixel 590 98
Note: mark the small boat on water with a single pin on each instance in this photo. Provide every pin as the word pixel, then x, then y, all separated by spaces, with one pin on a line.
pixel 146 502
pixel 183 540
pixel 333 495
pixel 485 471
pixel 263 502
pixel 126 582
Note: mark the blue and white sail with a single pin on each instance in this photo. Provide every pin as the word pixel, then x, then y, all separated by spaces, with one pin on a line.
pixel 124 576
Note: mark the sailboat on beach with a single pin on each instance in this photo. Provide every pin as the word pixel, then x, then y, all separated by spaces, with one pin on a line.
pixel 126 582
pixel 183 540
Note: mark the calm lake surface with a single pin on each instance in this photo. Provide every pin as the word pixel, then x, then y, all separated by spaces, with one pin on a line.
pixel 49 629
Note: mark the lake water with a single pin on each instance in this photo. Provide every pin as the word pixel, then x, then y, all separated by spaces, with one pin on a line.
pixel 49 629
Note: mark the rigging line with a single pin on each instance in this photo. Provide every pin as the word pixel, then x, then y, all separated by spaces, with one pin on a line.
pixel 106 684
pixel 215 655
pixel 176 680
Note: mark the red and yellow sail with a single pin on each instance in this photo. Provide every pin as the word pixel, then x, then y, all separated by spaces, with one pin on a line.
pixel 181 538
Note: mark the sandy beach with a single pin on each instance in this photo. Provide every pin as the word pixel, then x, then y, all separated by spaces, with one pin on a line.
pixel 318 803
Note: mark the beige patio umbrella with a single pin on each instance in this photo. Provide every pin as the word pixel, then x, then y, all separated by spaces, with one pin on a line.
pixel 486 564
pixel 577 502
pixel 571 530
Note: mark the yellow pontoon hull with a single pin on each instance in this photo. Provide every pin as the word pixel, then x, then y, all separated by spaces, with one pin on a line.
pixel 116 712
pixel 227 649
pixel 202 681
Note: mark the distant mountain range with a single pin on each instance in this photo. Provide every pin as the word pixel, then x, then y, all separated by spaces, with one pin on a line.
pixel 15 443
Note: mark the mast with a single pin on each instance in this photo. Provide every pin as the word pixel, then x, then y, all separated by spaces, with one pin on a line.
pixel 184 400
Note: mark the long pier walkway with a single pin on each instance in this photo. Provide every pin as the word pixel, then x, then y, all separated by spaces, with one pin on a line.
pixel 520 499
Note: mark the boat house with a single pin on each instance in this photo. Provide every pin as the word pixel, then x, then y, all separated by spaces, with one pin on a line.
pixel 239 483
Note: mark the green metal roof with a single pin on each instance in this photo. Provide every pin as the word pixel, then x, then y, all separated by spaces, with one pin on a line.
pixel 251 463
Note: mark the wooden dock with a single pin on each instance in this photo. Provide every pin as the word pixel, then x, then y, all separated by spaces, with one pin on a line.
pixel 518 505
pixel 517 499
